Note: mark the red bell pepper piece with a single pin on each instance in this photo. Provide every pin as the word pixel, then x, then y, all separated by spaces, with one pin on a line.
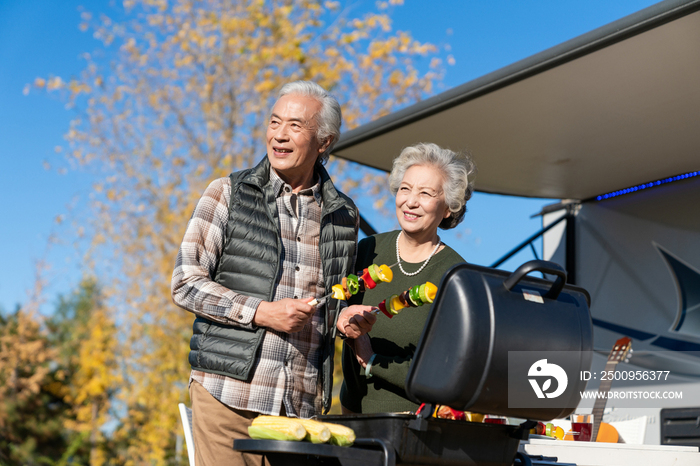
pixel 382 307
pixel 458 415
pixel 368 280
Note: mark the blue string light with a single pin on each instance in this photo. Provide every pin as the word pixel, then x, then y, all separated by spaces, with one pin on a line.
pixel 652 184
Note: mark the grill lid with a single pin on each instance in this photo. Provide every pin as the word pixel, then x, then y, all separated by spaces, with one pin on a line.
pixel 491 336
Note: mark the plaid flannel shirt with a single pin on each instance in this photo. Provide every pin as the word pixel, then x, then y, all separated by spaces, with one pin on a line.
pixel 286 369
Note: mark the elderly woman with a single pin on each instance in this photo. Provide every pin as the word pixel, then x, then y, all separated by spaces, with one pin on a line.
pixel 432 188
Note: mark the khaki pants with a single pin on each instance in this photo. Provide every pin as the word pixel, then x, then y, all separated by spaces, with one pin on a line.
pixel 215 426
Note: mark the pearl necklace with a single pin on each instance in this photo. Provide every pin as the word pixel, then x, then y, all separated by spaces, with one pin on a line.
pixel 398 257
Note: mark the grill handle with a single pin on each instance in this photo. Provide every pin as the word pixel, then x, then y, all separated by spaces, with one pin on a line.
pixel 539 266
pixel 385 445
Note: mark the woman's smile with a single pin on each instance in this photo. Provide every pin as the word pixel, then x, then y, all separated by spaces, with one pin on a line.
pixel 420 200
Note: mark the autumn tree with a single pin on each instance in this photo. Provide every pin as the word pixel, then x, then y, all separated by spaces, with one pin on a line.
pixel 57 378
pixel 31 408
pixel 180 95
pixel 85 338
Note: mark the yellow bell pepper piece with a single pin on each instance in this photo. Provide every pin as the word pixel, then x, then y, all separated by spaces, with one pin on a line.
pixel 430 291
pixel 338 292
pixel 385 274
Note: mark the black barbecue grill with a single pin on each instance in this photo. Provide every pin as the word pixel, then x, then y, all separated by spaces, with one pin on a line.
pixel 481 317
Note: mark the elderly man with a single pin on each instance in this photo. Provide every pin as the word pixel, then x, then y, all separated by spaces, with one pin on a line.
pixel 260 246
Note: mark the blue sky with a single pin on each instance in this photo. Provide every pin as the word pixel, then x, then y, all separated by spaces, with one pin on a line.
pixel 41 37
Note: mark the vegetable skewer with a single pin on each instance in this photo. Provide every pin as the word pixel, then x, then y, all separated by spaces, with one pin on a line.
pixel 353 284
pixel 413 297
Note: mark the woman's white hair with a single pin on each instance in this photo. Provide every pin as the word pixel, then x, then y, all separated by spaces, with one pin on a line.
pixel 328 119
pixel 457 169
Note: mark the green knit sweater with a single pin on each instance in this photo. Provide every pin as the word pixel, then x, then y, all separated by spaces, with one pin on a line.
pixel 393 340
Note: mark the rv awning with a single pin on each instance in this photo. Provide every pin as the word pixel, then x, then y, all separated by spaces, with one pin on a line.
pixel 613 108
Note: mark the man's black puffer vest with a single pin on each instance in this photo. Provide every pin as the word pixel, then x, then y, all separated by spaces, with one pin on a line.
pixel 250 264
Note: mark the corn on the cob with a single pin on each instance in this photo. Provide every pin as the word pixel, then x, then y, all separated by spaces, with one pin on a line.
pixel 340 435
pixel 316 432
pixel 276 428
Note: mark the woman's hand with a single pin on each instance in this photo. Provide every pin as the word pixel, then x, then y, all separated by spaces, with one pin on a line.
pixel 356 320
pixel 362 347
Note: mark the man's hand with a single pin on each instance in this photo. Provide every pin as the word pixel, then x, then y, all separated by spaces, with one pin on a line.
pixel 356 320
pixel 286 315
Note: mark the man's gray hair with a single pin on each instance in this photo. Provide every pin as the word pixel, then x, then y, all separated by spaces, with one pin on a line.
pixel 457 169
pixel 328 119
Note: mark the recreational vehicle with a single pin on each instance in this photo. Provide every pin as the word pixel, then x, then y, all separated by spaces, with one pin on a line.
pixel 606 125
